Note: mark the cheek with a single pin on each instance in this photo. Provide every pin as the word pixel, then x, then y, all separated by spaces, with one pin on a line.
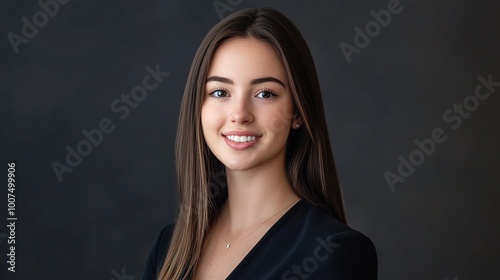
pixel 210 119
pixel 280 119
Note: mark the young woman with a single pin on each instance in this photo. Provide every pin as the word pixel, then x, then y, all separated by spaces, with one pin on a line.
pixel 259 193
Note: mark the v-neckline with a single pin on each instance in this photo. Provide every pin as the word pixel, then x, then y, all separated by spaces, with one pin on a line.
pixel 264 238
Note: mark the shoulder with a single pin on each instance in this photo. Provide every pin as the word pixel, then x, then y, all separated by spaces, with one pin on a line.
pixel 320 246
pixel 350 254
pixel 158 252
pixel 312 220
pixel 353 255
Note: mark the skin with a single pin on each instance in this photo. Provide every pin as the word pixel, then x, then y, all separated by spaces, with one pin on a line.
pixel 238 99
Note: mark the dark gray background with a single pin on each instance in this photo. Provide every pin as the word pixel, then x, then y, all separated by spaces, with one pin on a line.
pixel 441 223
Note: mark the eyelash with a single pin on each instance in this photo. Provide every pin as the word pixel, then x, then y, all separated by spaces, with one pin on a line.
pixel 211 92
pixel 273 94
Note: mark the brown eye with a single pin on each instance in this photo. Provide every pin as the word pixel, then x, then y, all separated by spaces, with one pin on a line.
pixel 219 93
pixel 266 94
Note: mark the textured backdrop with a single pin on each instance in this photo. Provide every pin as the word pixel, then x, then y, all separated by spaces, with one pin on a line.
pixel 411 91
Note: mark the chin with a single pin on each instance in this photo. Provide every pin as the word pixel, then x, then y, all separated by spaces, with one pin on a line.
pixel 238 165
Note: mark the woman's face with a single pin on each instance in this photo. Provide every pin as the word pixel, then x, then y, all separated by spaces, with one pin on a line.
pixel 247 110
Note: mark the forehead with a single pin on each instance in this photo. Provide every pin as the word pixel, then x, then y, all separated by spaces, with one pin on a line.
pixel 246 59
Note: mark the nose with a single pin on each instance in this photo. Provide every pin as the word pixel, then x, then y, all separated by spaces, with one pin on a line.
pixel 241 110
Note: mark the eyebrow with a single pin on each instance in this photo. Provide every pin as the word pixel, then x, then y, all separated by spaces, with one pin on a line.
pixel 252 82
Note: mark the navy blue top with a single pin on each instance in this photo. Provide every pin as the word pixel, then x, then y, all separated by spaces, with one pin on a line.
pixel 305 243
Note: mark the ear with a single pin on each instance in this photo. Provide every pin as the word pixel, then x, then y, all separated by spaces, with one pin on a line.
pixel 296 122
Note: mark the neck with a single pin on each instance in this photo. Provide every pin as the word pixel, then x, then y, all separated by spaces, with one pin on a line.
pixel 255 195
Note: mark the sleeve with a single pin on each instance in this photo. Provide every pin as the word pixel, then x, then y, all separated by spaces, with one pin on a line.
pixel 157 253
pixel 353 256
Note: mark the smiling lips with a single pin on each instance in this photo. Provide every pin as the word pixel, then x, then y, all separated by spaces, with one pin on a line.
pixel 240 140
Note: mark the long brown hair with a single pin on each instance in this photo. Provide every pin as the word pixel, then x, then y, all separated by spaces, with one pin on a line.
pixel 200 175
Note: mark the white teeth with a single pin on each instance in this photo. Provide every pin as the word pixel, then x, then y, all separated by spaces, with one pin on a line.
pixel 240 139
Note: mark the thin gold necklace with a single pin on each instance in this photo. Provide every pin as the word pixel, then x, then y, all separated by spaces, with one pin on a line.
pixel 229 244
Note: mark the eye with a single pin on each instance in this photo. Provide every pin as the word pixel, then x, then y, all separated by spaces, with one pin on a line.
pixel 218 93
pixel 266 94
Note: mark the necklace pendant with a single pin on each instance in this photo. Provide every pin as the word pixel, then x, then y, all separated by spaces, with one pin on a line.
pixel 228 245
